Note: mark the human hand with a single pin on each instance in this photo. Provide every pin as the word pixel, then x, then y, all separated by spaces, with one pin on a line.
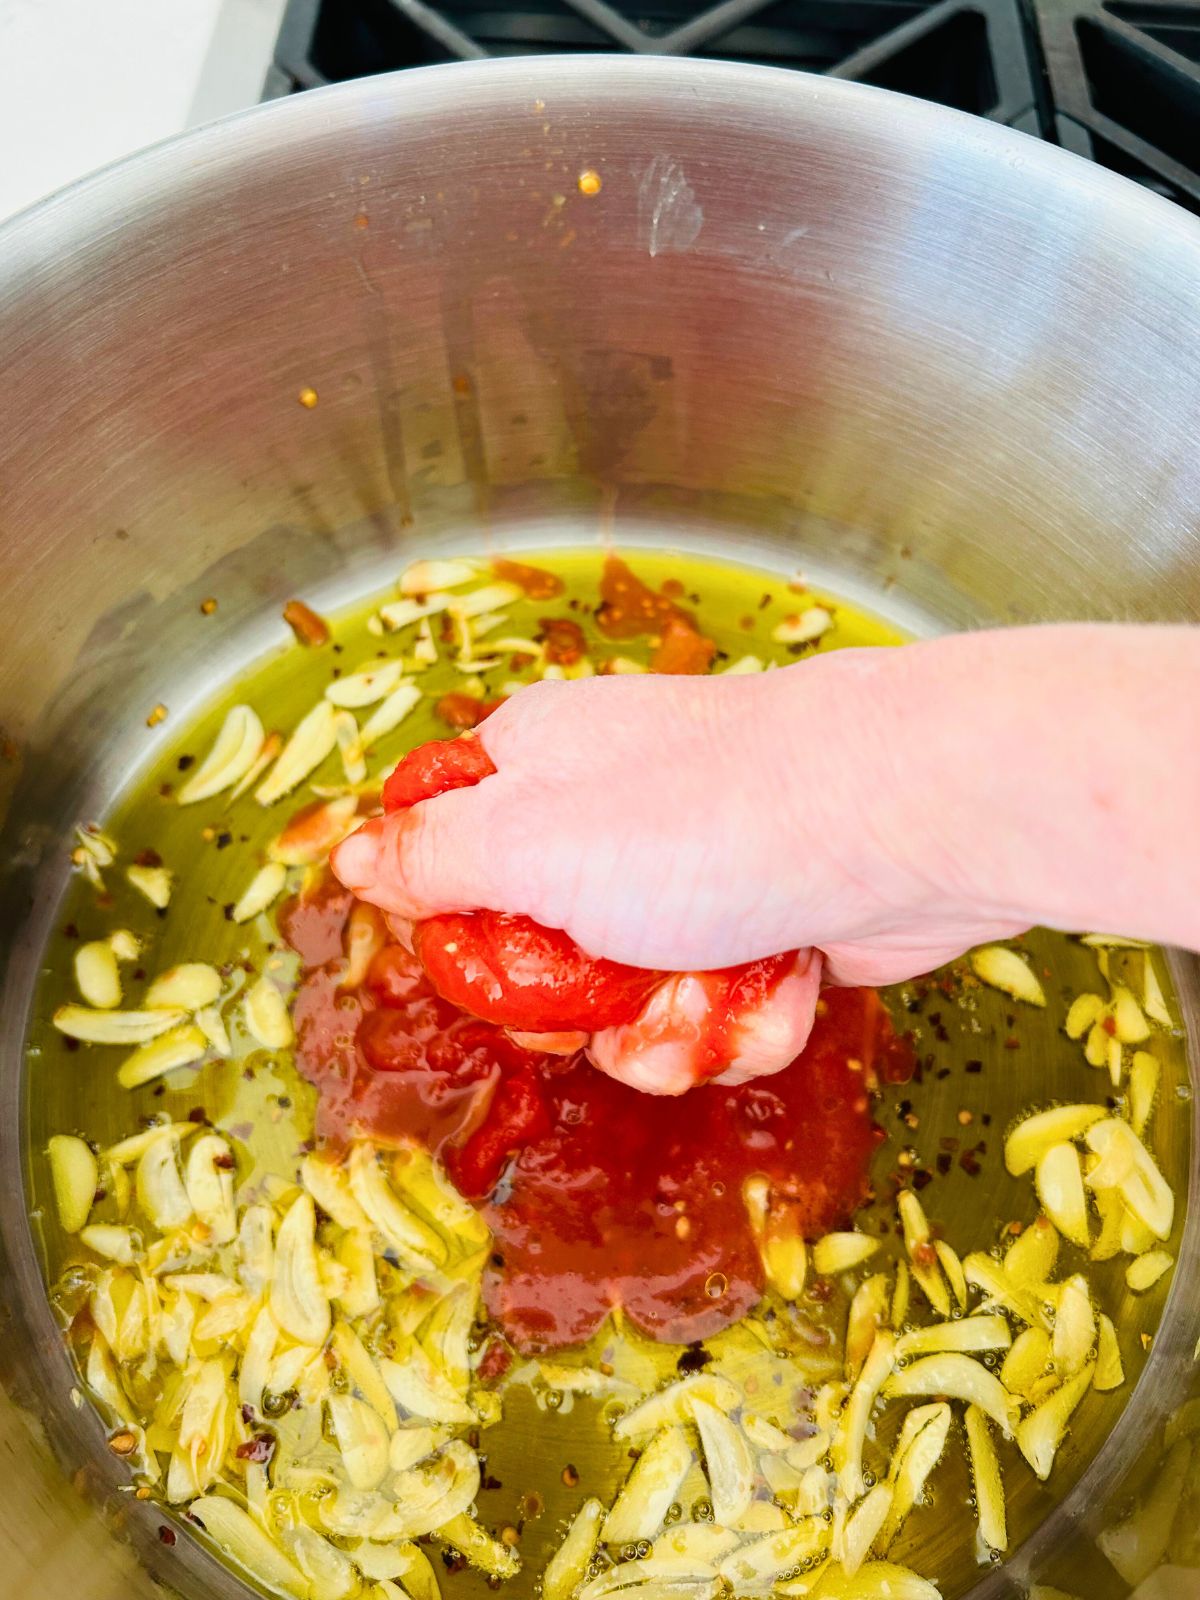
pixel 687 823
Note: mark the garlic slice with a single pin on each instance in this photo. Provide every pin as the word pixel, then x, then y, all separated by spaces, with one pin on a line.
pixel 1059 1184
pixel 1074 1328
pixel 968 1334
pixel 728 1460
pixel 842 1252
pixel 1003 969
pixel 329 1186
pixel 1027 1363
pixel 96 975
pixel 755 1565
pixel 869 1310
pixel 153 883
pixel 1142 1274
pixel 650 1489
pixel 233 753
pixel 314 831
pixel 919 1448
pixel 110 1240
pixel 852 1430
pixel 958 1378
pixel 1144 1073
pixel 1034 1135
pixel 481 1550
pixel 314 738
pixel 1033 1254
pixel 361 1438
pixel 263 889
pixel 437 573
pixel 1110 1370
pixel 114 1027
pixel 75 1176
pixel 241 1537
pixel 863 1527
pixel 989 1488
pixel 209 1183
pixel 181 1047
pixel 388 715
pixel 365 687
pixel 419 1389
pixel 418 1245
pixel 922 1256
pixel 160 1188
pixel 1043 1430
pixel 298 1300
pixel 189 987
pixel 803 628
pixel 266 1016
pixel 674 1404
pixel 569 1564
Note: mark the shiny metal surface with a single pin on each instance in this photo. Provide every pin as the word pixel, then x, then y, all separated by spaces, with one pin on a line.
pixel 952 372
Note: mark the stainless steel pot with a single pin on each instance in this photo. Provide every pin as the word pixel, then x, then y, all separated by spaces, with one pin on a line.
pixel 949 370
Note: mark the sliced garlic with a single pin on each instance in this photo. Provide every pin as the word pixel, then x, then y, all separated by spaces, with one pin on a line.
pixel 209 1182
pixel 863 1527
pixel 1146 1271
pixel 299 1303
pixel 1142 1186
pixel 1059 1183
pixel 314 831
pixel 419 1389
pixel 990 1278
pixel 950 1264
pixel 266 1016
pixel 1083 1014
pixel 1032 1256
pixel 430 576
pixel 1034 1135
pixel 1074 1328
pixel 409 1446
pixel 365 687
pixel 389 714
pixel 922 1256
pixel 728 1461
pixel 877 1580
pixel 113 1027
pixel 802 629
pixel 869 1311
pixel 901 1295
pixel 241 1537
pixel 674 1404
pixel 75 1175
pixel 1153 998
pixel 481 1550
pixel 110 1240
pixel 852 1429
pixel 329 1185
pixel 419 1245
pixel 1110 1370
pixel 185 988
pixel 968 1334
pixel 362 1372
pixel 1027 1363
pixel 1043 1430
pixel 742 667
pixel 989 1489
pixel 212 1025
pixel 1003 969
pixel 181 1047
pixel 842 1252
pixel 1144 1075
pixel 650 1489
pixel 234 752
pixel 361 1438
pixel 755 1565
pixel 330 1571
pixel 153 883
pixel 160 1188
pixel 695 1541
pixel 956 1377
pixel 96 975
pixel 918 1450
pixel 313 740
pixel 569 1564
pixel 263 889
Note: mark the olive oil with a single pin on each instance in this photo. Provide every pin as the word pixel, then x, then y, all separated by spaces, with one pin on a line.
pixel 983 1061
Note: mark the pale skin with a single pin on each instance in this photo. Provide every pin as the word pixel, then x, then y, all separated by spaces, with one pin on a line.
pixel 888 808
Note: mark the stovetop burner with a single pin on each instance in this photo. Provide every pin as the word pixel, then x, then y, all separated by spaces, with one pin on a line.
pixel 1116 82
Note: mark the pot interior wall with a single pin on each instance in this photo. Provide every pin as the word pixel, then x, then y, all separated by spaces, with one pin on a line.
pixel 951 372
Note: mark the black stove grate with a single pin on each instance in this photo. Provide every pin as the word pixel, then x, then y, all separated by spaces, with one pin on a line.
pixel 1119 83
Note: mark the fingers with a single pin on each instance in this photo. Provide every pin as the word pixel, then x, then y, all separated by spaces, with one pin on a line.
pixel 432 858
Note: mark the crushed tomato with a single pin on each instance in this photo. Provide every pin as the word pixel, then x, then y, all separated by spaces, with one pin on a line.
pixel 597 1196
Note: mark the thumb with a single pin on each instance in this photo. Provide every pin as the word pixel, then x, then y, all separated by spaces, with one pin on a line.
pixel 431 858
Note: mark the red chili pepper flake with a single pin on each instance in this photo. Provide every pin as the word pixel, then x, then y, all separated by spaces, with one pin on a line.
pixel 167 1535
pixel 311 630
pixel 224 1162
pixel 148 858
pixel 261 1448
pixel 570 1476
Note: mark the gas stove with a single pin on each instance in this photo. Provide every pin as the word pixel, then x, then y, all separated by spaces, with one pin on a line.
pixel 1116 82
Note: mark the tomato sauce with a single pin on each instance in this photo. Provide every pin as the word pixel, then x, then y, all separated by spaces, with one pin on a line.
pixel 537 583
pixel 597 1196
